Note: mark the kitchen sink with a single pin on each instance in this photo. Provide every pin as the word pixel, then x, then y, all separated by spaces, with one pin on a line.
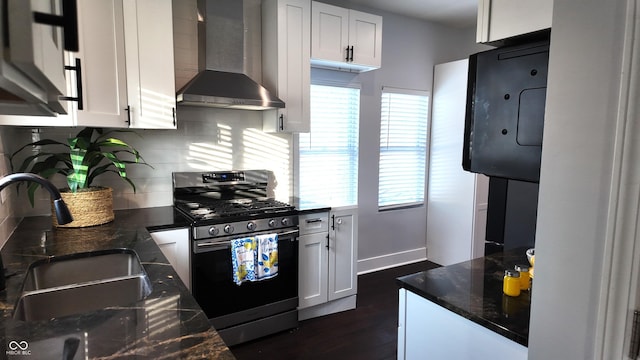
pixel 81 282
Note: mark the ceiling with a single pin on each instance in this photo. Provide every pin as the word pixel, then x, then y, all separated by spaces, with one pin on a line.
pixel 456 13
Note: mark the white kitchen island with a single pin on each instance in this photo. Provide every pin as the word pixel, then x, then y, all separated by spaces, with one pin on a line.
pixel 459 312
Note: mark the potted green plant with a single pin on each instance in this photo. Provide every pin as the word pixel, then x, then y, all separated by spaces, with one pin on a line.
pixel 89 154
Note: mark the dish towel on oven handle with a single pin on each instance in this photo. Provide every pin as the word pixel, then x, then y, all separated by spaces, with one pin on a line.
pixel 267 262
pixel 243 259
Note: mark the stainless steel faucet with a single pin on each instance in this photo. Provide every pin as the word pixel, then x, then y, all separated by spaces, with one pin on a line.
pixel 62 212
pixel 61 209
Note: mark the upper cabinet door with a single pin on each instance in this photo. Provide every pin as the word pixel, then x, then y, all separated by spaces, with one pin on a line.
pixel 329 32
pixel 37 50
pixel 150 65
pixel 345 39
pixel 102 57
pixel 68 119
pixel 126 48
pixel 503 19
pixel 286 69
pixel 365 39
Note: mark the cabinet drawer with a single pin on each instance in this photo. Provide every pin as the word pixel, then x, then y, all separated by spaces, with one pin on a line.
pixel 314 223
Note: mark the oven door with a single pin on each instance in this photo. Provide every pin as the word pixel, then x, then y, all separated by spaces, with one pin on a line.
pixel 227 303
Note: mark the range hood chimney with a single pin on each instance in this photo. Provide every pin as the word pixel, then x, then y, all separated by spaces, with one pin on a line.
pixel 223 82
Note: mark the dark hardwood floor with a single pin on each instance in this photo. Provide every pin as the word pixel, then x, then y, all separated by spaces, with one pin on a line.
pixel 369 332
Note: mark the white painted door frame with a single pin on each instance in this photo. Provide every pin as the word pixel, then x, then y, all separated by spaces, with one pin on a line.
pixel 620 291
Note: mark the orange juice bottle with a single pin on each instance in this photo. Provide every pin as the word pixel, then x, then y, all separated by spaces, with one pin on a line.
pixel 525 279
pixel 511 283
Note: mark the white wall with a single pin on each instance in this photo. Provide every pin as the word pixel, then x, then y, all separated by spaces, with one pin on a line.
pixel 9 203
pixel 410 49
pixel 576 172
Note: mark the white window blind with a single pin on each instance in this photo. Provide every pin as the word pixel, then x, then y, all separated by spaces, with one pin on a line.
pixel 329 152
pixel 403 148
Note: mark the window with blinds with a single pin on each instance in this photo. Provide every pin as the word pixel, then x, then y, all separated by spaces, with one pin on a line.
pixel 329 152
pixel 403 148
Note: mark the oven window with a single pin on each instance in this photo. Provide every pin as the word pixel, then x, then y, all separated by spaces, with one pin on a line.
pixel 217 293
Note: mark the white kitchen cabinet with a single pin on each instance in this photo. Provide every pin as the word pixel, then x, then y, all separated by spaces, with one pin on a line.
pixel 103 75
pixel 429 331
pixel 328 262
pixel 286 72
pixel 151 89
pixel 313 272
pixel 127 72
pixel 343 252
pixel 126 50
pixel 68 119
pixel 102 58
pixel 345 39
pixel 501 19
pixel 174 245
pixel 32 74
pixel 454 196
pixel 37 49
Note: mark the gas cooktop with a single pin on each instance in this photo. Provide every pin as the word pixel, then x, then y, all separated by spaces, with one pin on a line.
pixel 223 209
pixel 224 196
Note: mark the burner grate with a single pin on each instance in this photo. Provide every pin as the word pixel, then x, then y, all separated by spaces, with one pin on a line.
pixel 218 196
pixel 233 208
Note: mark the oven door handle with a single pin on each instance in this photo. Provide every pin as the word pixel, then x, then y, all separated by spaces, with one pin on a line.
pixel 218 245
pixel 210 246
pixel 291 232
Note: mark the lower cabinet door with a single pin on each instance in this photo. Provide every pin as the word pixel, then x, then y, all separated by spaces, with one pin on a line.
pixel 174 245
pixel 343 247
pixel 312 269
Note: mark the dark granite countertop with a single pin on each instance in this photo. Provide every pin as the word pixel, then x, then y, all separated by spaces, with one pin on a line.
pixel 305 207
pixel 473 290
pixel 167 324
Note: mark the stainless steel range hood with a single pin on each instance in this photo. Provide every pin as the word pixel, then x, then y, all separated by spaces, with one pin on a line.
pixel 223 39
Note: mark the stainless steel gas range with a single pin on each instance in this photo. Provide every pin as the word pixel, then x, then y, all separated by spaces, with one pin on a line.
pixel 225 208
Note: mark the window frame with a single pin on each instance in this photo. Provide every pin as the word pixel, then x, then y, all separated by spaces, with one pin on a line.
pixel 427 134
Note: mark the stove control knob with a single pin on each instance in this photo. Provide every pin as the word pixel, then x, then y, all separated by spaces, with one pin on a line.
pixel 213 231
pixel 285 221
pixel 251 225
pixel 228 229
pixel 272 223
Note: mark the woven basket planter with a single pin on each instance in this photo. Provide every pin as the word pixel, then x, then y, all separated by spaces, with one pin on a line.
pixel 89 207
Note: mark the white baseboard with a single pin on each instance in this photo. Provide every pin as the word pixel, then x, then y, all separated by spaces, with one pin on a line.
pixel 331 307
pixel 391 260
